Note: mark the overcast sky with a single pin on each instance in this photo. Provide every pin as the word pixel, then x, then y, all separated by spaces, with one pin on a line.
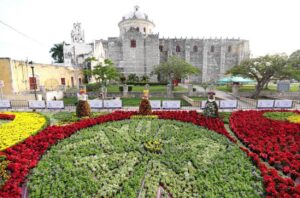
pixel 271 26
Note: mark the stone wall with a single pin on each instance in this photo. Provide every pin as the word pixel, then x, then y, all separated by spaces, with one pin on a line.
pixel 213 56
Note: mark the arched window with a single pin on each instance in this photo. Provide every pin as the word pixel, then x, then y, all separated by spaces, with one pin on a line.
pixel 133 43
pixel 177 48
pixel 229 48
pixel 144 29
pixel 195 48
pixel 161 48
pixel 138 29
pixel 212 48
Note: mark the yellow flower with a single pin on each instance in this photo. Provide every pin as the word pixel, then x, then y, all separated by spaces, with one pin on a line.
pixel 294 118
pixel 23 126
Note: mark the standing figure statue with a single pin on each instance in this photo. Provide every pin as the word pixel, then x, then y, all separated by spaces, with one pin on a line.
pixel 145 106
pixel 211 107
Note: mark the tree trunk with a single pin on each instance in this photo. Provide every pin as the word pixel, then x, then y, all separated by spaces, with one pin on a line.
pixel 267 85
pixel 259 87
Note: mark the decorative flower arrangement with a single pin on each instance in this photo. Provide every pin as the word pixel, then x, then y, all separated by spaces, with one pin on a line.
pixel 154 146
pixel 110 158
pixel 276 142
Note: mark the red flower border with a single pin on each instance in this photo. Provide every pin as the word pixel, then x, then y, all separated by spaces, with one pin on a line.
pixel 275 142
pixel 6 116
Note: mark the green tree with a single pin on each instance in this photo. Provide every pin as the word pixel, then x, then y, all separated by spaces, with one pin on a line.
pixel 264 69
pixel 175 68
pixel 294 58
pixel 102 72
pixel 57 52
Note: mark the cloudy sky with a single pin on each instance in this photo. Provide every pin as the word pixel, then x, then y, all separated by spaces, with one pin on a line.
pixel 271 26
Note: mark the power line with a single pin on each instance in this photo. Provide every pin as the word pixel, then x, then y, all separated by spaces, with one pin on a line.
pixel 19 32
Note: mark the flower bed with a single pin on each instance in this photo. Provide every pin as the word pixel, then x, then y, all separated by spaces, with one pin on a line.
pixel 26 155
pixel 22 126
pixel 110 158
pixel 277 142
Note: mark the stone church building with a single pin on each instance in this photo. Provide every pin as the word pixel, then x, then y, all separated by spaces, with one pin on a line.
pixel 138 49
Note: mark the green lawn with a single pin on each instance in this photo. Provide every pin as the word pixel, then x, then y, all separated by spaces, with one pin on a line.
pixel 136 101
pixel 135 88
pixel 127 101
pixel 70 100
pixel 250 88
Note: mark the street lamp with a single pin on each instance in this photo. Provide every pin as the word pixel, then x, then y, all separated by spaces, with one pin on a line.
pixel 33 77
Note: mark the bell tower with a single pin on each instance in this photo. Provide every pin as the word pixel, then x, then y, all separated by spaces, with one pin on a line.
pixel 77 34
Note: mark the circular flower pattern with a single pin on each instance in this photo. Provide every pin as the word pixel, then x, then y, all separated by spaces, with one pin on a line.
pixel 109 160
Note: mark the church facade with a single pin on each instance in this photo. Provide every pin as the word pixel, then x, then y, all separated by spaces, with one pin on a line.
pixel 138 49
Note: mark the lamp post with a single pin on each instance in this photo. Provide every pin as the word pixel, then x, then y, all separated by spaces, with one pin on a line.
pixel 34 80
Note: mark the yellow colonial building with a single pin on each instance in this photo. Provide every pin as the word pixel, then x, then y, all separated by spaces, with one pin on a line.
pixel 18 76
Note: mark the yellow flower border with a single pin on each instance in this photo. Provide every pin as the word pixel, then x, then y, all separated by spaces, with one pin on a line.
pixel 23 126
pixel 144 117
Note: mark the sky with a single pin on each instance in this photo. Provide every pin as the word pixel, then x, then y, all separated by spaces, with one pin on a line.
pixel 271 26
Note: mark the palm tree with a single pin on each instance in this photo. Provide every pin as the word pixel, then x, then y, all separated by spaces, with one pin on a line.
pixel 57 52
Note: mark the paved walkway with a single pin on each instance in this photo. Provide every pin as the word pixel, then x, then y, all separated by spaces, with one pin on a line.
pixel 223 95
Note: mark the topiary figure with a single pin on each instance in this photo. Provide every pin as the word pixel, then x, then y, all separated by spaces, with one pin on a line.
pixel 83 108
pixel 145 107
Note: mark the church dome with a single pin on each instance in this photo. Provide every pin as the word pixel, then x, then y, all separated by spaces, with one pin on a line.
pixel 136 20
pixel 136 14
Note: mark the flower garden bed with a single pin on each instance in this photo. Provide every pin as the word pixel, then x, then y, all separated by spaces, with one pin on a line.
pixel 110 158
pixel 24 157
pixel 277 142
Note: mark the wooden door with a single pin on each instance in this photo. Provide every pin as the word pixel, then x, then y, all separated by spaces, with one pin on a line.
pixel 32 83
